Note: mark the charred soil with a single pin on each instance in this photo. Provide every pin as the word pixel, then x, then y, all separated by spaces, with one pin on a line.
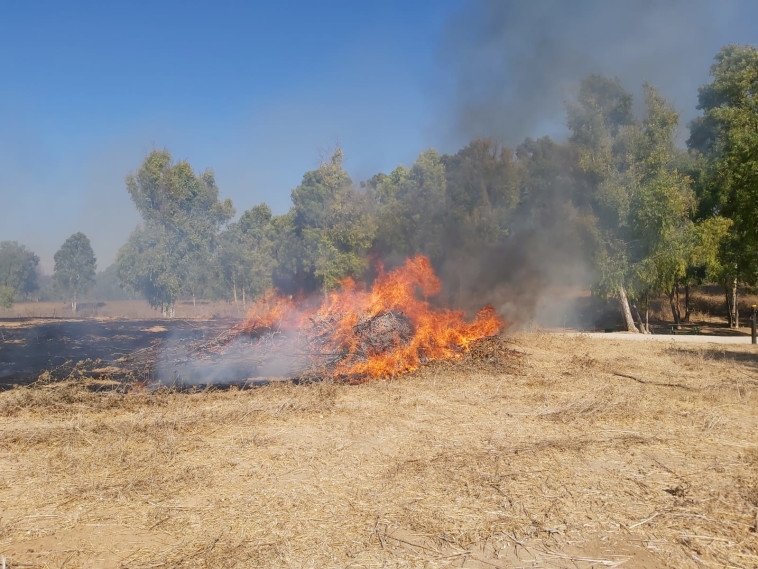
pixel 121 350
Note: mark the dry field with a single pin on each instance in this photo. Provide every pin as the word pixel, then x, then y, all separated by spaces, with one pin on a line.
pixel 133 309
pixel 582 453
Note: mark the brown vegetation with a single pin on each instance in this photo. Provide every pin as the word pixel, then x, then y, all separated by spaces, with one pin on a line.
pixel 582 453
pixel 140 309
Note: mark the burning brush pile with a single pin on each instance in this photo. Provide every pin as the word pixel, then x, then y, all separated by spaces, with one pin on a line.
pixel 353 335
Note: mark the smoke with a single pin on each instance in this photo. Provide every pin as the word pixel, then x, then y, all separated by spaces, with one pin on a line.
pixel 242 361
pixel 513 68
pixel 536 276
pixel 516 64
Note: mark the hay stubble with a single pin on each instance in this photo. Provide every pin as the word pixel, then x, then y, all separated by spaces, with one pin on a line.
pixel 556 460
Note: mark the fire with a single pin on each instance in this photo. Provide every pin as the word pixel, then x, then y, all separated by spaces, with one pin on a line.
pixel 380 332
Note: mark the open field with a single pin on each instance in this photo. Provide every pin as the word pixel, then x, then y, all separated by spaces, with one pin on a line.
pixel 581 453
pixel 132 309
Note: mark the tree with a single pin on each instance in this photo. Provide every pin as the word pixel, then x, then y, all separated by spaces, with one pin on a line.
pixel 170 253
pixel 74 271
pixel 108 286
pixel 482 188
pixel 661 207
pixel 642 202
pixel 328 232
pixel 149 264
pixel 7 296
pixel 727 135
pixel 552 228
pixel 601 124
pixel 18 272
pixel 411 209
pixel 244 256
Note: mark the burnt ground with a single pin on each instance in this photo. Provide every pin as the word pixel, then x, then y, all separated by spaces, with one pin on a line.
pixel 114 348
pixel 191 354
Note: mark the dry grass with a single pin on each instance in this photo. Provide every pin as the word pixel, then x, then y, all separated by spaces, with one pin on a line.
pixel 135 309
pixel 587 453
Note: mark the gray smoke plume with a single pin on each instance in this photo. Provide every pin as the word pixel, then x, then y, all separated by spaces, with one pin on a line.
pixel 513 67
pixel 515 64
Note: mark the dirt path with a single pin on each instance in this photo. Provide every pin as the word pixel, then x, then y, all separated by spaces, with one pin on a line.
pixel 679 338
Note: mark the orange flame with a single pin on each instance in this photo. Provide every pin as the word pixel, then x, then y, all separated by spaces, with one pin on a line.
pixel 435 333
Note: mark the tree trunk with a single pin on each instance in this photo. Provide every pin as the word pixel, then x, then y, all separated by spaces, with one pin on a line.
pixel 735 320
pixel 674 304
pixel 626 311
pixel 729 312
pixel 678 303
pixel 167 309
pixel 647 312
pixel 244 302
pixel 687 310
pixel 639 319
pixel 73 304
pixel 234 291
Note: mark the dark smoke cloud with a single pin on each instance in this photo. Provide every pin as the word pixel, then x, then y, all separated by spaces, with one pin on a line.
pixel 534 277
pixel 516 63
pixel 512 67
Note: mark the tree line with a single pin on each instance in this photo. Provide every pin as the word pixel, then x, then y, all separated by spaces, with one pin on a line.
pixel 618 197
pixel 73 275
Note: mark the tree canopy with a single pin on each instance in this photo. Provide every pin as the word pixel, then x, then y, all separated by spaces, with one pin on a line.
pixel 18 272
pixel 75 265
pixel 182 215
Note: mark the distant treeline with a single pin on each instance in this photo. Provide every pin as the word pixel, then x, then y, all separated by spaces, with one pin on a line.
pixel 617 207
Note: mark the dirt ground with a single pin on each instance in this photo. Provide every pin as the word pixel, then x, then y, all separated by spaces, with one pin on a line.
pixel 580 453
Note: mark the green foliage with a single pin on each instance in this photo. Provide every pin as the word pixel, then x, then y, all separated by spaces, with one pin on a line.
pixel 18 269
pixel 643 205
pixel 711 240
pixel 650 216
pixel 150 264
pixel 171 252
pixel 332 229
pixel 483 183
pixel 662 201
pixel 597 120
pixel 75 264
pixel 411 208
pixel 727 135
pixel 602 131
pixel 108 286
pixel 7 296
pixel 244 254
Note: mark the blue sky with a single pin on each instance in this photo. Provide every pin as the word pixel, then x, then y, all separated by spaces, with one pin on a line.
pixel 261 92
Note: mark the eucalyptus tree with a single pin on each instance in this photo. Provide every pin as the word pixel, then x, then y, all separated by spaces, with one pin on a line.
pixel 643 204
pixel 18 272
pixel 328 232
pixel 601 124
pixel 75 264
pixel 662 206
pixel 412 211
pixel 244 256
pixel 169 253
pixel 727 135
